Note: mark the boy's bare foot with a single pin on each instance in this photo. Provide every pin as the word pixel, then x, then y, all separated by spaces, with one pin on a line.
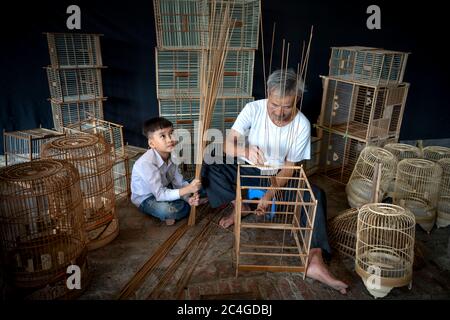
pixel 170 222
pixel 228 220
pixel 317 270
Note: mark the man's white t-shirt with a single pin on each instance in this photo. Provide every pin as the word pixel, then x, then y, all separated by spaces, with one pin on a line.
pixel 291 142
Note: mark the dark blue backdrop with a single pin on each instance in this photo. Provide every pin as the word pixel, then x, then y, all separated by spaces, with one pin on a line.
pixel 128 51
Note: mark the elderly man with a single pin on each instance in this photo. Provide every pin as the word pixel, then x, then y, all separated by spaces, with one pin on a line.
pixel 278 134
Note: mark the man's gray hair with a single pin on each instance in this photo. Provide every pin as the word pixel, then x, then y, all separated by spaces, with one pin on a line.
pixel 285 83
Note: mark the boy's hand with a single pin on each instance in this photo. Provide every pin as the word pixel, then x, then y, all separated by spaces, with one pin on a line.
pixel 194 200
pixel 194 186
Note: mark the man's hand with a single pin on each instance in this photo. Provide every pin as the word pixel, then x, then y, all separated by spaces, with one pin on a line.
pixel 194 200
pixel 255 155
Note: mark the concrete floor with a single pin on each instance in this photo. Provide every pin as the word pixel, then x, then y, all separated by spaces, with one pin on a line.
pixel 213 273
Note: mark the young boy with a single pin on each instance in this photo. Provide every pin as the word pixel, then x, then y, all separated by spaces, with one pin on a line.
pixel 157 187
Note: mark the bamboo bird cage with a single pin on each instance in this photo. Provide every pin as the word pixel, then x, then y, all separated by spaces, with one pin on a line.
pixel 342 231
pixel 360 187
pixel 384 247
pixel 435 153
pixel 417 188
pixel 443 206
pixel 66 114
pixel 311 166
pixel 280 239
pixel 25 145
pixel 91 155
pixel 42 227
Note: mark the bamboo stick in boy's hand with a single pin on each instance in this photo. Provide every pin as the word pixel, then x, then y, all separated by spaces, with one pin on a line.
pixel 192 187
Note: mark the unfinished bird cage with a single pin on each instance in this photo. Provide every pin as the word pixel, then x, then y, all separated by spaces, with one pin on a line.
pixel 360 187
pixel 368 65
pixel 42 227
pixel 342 232
pixel 25 145
pixel 384 247
pixel 185 23
pixel 65 114
pixel 443 206
pixel 91 155
pixel 435 153
pixel 280 239
pixel 370 114
pixel 417 186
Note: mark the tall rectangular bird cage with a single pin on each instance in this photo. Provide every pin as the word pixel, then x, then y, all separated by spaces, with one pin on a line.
pixel 65 114
pixel 74 50
pixel 185 23
pixel 312 165
pixel 368 65
pixel 363 112
pixel 177 74
pixel 25 145
pixel 279 240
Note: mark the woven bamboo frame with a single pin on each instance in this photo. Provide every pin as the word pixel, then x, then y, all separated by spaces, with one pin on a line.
pixel 65 114
pixel 279 242
pixel 435 153
pixel 443 206
pixel 384 247
pixel 368 65
pixel 342 232
pixel 25 145
pixel 417 188
pixel 91 155
pixel 41 223
pixel 360 185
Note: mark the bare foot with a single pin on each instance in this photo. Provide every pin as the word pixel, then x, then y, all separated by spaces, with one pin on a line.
pixel 317 270
pixel 170 222
pixel 228 220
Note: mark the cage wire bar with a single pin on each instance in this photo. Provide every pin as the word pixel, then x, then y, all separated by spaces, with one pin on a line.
pixel 42 227
pixel 65 114
pixel 443 206
pixel 279 240
pixel 342 230
pixel 25 145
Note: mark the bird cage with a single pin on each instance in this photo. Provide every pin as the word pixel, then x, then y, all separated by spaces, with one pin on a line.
pixel 443 206
pixel 312 165
pixel 435 153
pixel 403 151
pixel 69 85
pixel 363 112
pixel 360 187
pixel 178 74
pixel 42 226
pixel 110 131
pixel 417 188
pixel 342 232
pixel 368 65
pixel 25 145
pixel 91 155
pixel 74 50
pixel 184 23
pixel 279 240
pixel 65 114
pixel 384 247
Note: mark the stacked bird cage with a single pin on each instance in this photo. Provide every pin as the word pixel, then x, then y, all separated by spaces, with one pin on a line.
pixel 360 186
pixel 435 153
pixel 417 186
pixel 279 239
pixel 74 77
pixel 443 206
pixel 342 231
pixel 384 247
pixel 182 30
pixel 25 145
pixel 92 156
pixel 312 165
pixel 42 227
pixel 364 97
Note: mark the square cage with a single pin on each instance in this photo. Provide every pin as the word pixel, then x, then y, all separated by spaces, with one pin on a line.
pixel 368 65
pixel 280 239
pixel 74 50
pixel 74 84
pixel 177 74
pixel 184 23
pixel 363 112
pixel 312 165
pixel 65 114
pixel 25 145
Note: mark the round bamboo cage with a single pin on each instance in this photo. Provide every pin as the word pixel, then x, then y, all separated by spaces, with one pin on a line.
pixel 443 206
pixel 342 232
pixel 417 188
pixel 92 156
pixel 384 247
pixel 436 153
pixel 360 186
pixel 42 226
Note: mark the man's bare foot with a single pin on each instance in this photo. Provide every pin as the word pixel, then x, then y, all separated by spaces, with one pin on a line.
pixel 170 222
pixel 228 220
pixel 317 270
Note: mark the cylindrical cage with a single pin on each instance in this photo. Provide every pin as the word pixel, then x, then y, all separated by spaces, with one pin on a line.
pixel 41 224
pixel 361 185
pixel 443 206
pixel 384 247
pixel 342 232
pixel 435 153
pixel 91 155
pixel 417 188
